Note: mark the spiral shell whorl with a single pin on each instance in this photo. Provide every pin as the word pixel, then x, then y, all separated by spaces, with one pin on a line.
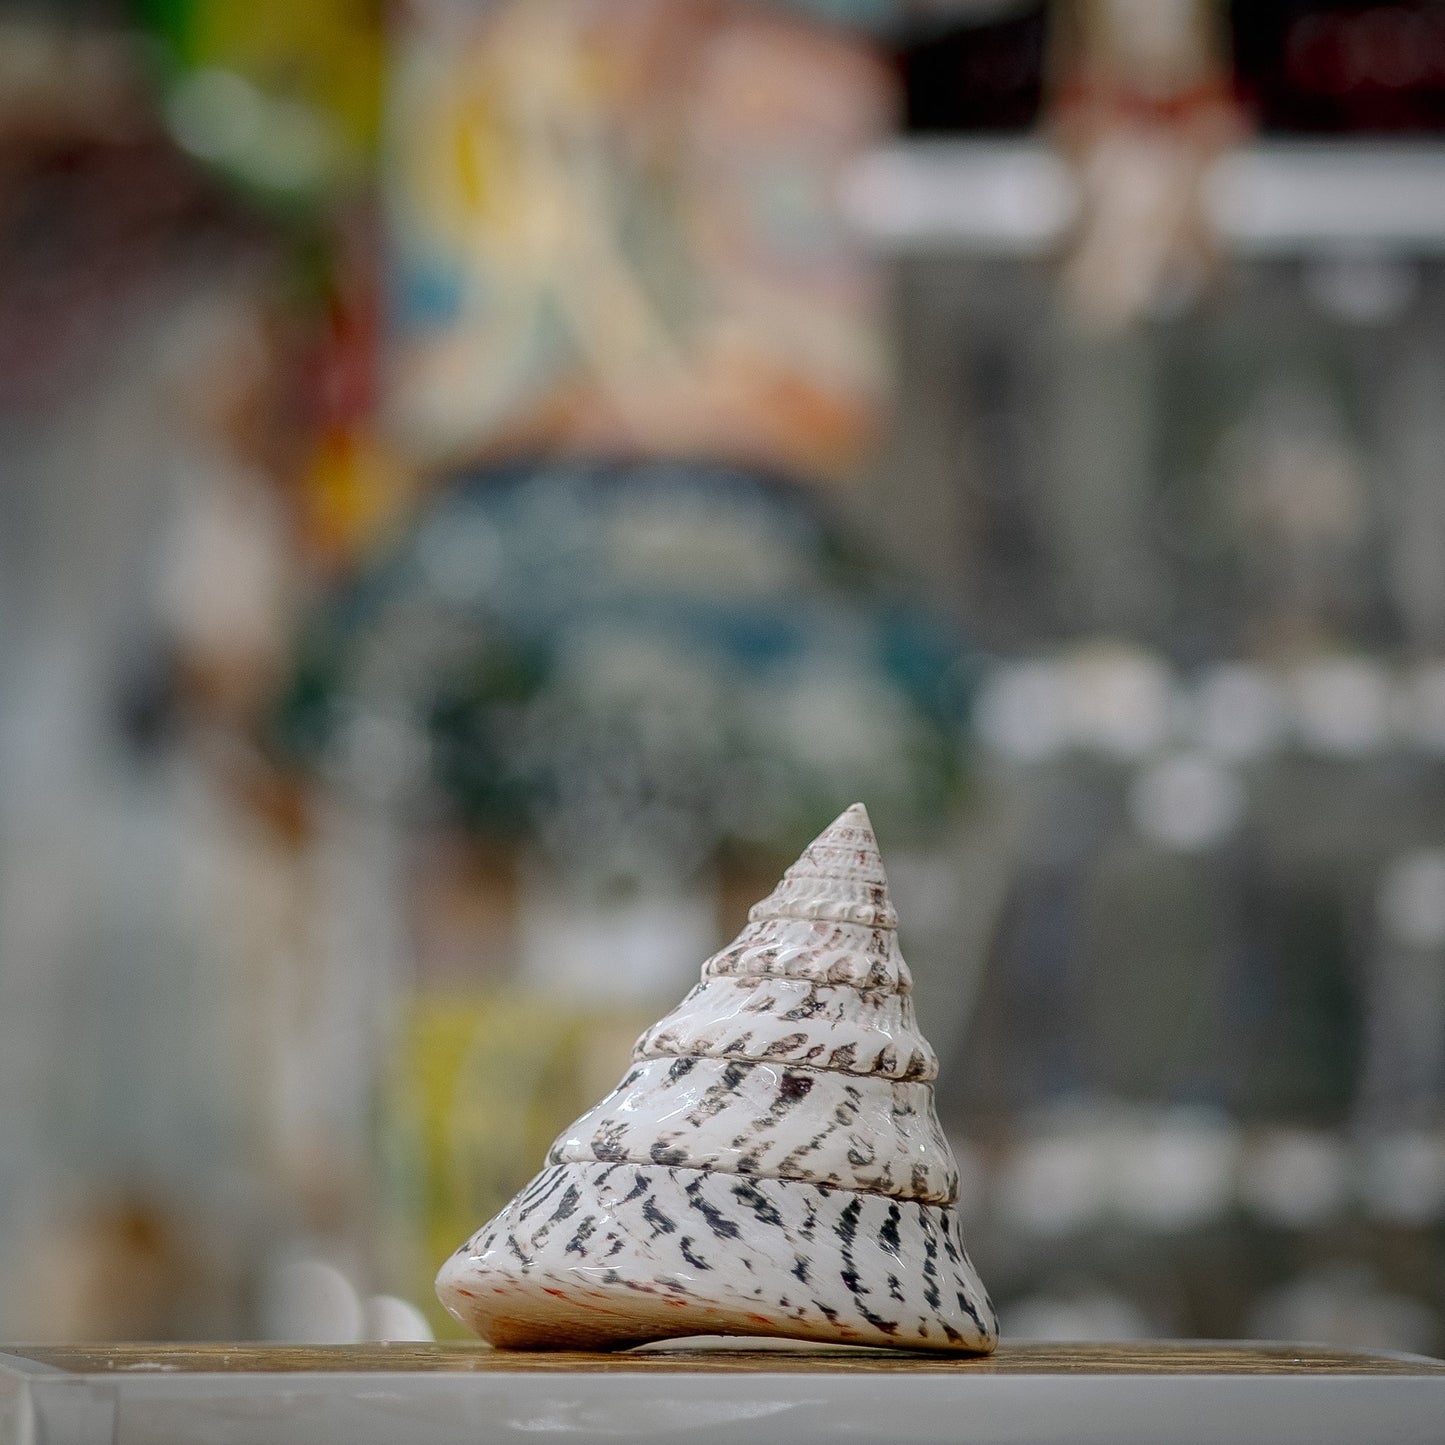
pixel 771 1163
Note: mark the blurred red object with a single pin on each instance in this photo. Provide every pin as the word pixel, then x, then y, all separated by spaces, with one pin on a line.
pixel 1329 68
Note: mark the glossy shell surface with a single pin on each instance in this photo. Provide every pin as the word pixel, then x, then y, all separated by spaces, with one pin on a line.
pixel 742 1117
pixel 770 1164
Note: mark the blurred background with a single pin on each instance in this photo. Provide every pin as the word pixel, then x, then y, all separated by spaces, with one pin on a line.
pixel 483 481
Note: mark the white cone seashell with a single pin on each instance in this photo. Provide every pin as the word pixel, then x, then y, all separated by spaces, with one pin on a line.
pixel 771 1164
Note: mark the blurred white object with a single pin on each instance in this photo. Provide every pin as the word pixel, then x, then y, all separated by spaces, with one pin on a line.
pixel 1238 712
pixel 1283 198
pixel 1286 197
pixel 1404 1178
pixel 1055 1184
pixel 1119 699
pixel 1188 801
pixel 1298 1178
pixel 1412 899
pixel 1342 706
pixel 1094 1315
pixel 1175 1172
pixel 1014 198
pixel 388 1317
pixel 274 142
pixel 309 1301
pixel 1023 712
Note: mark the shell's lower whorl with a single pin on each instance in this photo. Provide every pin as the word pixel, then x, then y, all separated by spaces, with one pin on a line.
pixel 611 1255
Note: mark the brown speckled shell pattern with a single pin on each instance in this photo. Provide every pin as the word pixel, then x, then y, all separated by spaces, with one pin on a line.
pixel 784 1107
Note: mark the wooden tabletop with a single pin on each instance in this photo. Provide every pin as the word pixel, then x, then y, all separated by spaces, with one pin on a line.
pixel 1166 1358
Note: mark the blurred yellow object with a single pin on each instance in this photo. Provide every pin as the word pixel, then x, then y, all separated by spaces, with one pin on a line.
pixel 480 1085
pixel 328 53
pixel 353 487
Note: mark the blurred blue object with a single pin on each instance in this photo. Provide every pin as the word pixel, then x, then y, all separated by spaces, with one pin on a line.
pixel 636 664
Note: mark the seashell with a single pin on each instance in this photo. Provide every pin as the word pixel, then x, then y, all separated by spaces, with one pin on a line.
pixel 771 1164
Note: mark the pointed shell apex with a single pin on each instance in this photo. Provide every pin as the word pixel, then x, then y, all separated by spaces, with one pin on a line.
pixel 847 847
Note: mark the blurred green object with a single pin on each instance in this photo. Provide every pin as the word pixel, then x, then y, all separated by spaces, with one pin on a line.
pixel 635 665
pixel 285 99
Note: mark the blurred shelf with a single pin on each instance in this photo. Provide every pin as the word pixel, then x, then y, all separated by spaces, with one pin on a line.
pixel 1017 197
pixel 1157 1393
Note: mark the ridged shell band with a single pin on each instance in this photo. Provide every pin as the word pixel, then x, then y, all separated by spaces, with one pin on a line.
pixel 738 1117
pixel 792 1020
pixel 822 950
